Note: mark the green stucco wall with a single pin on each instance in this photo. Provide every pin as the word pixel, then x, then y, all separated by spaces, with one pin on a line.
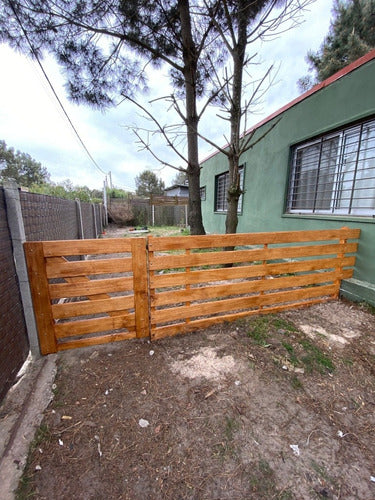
pixel 348 99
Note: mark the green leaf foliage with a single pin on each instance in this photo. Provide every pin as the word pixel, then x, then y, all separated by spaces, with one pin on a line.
pixel 21 167
pixel 147 183
pixel 351 35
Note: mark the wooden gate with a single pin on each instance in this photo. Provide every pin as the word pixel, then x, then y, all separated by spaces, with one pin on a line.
pixel 80 301
pixel 155 287
pixel 196 281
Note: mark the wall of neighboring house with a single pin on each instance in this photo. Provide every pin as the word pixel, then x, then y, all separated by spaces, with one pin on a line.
pixel 178 190
pixel 346 100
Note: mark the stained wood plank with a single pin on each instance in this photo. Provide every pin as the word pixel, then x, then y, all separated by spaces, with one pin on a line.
pixel 90 341
pixel 94 325
pixel 86 247
pixel 215 258
pixel 88 267
pixel 141 288
pixel 208 308
pixel 209 292
pixel 160 332
pixel 241 239
pixel 204 276
pixel 40 296
pixel 90 287
pixel 87 307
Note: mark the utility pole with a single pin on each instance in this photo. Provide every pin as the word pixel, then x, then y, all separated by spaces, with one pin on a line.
pixel 105 201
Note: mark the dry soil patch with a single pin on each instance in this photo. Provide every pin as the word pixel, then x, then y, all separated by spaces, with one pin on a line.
pixel 262 408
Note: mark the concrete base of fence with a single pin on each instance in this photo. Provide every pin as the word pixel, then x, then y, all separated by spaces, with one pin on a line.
pixel 23 407
pixel 358 291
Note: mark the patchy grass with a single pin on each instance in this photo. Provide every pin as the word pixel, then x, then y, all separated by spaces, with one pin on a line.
pixel 315 358
pixel 262 480
pixel 168 231
pixel 25 487
pixel 282 336
pixel 367 307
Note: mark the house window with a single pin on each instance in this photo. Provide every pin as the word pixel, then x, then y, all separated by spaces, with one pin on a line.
pixel 221 190
pixel 203 193
pixel 335 174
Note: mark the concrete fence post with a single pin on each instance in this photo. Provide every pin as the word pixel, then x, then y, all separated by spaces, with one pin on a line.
pixel 17 233
pixel 95 222
pixel 81 234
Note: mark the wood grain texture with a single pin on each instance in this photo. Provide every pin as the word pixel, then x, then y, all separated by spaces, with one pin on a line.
pixel 141 288
pixel 40 294
pixel 239 256
pixel 178 328
pixel 66 268
pixel 90 287
pixel 86 247
pixel 241 239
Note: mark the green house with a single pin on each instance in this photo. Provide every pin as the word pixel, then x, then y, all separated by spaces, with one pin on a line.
pixel 314 170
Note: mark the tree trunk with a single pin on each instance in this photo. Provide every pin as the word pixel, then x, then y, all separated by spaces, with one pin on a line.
pixel 233 195
pixel 234 188
pixel 190 76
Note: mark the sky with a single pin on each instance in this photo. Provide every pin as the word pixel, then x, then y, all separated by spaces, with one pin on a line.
pixel 32 121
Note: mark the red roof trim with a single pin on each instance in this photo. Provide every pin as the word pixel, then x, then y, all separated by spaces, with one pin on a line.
pixel 348 69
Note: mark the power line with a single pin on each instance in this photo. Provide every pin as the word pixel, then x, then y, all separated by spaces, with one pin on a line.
pixel 53 90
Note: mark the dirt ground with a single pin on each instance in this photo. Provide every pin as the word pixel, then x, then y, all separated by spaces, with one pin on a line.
pixel 273 407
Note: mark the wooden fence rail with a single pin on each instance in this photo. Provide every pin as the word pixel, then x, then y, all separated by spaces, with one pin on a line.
pixel 156 287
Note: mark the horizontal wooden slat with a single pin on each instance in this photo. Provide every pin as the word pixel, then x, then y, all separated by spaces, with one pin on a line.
pixel 208 308
pixel 87 307
pixel 214 291
pixel 214 258
pixel 86 326
pixel 90 287
pixel 86 247
pixel 204 276
pixel 90 341
pixel 241 239
pixel 159 332
pixel 88 267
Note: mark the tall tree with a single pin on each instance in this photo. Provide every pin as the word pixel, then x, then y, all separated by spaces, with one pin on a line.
pixel 21 167
pixel 351 35
pixel 91 40
pixel 240 23
pixel 147 183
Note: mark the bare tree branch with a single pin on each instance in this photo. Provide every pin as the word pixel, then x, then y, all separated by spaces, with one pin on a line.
pixel 160 129
pixel 147 147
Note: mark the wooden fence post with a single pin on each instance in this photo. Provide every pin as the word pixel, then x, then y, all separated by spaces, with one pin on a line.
pixel 41 298
pixel 340 257
pixel 141 290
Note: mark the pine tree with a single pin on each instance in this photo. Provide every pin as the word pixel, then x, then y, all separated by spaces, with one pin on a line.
pixel 351 35
pixel 105 46
pixel 147 183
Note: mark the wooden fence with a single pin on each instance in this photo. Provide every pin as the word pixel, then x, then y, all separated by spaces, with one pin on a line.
pixel 76 300
pixel 157 287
